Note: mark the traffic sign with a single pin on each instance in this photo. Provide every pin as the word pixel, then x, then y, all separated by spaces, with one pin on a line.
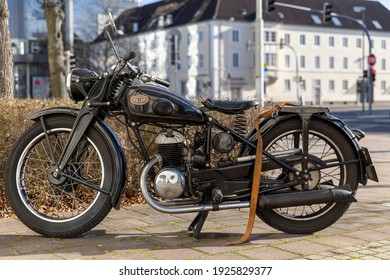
pixel 371 59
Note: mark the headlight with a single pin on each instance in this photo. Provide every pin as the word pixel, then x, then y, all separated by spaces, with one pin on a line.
pixel 79 82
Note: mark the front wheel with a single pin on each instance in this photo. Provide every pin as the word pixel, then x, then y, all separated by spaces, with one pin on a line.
pixel 51 204
pixel 327 146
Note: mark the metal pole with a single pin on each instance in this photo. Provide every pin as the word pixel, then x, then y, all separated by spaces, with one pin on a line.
pixel 300 99
pixel 69 32
pixel 259 80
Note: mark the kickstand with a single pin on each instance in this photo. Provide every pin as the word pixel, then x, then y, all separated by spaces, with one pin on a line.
pixel 197 224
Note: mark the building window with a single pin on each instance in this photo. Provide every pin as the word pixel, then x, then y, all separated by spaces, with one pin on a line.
pixel 189 38
pixel 345 42
pixel 287 38
pixel 377 24
pixel 383 86
pixel 200 60
pixel 302 39
pixel 236 93
pixel 345 85
pixel 383 44
pixel 303 85
pixel 336 21
pixel 189 61
pixel 153 44
pixel 317 62
pixel 383 64
pixel 359 43
pixel 154 65
pixel 236 36
pixel 270 59
pixel 316 19
pixel 199 88
pixel 331 85
pixel 183 88
pixel 287 85
pixel 359 63
pixel 316 40
pixel 175 55
pixel 331 62
pixel 303 61
pixel 236 60
pixel 331 41
pixel 345 63
pixel 200 37
pixel 287 61
pixel 270 36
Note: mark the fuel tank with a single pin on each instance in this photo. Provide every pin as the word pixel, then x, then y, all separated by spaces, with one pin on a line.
pixel 149 102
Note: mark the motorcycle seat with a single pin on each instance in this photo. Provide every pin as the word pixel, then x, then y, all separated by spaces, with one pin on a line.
pixel 230 106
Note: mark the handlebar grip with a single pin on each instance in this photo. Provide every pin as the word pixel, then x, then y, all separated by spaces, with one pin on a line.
pixel 130 56
pixel 162 82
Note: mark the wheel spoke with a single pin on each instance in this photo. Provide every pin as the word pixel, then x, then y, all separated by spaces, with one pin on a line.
pixel 66 198
pixel 321 152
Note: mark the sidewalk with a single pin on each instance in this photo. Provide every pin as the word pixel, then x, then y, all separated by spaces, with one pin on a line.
pixel 141 233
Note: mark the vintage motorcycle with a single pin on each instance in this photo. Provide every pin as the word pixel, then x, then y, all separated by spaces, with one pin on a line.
pixel 68 170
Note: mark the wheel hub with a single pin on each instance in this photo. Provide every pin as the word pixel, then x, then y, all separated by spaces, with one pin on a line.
pixel 54 176
pixel 313 178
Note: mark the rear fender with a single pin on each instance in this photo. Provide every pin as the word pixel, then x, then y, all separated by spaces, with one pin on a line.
pixel 109 136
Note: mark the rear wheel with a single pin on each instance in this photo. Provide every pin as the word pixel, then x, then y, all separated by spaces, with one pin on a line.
pixel 326 146
pixel 48 202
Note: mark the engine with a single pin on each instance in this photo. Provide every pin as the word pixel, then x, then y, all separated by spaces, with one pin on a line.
pixel 169 183
pixel 170 146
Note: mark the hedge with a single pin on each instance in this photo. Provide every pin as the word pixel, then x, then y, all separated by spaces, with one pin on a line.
pixel 13 122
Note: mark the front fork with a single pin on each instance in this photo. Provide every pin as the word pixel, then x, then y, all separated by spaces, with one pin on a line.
pixel 83 120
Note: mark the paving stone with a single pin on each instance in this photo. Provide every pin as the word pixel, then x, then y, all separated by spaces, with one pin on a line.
pixel 337 241
pixel 176 254
pixel 268 253
pixel 304 247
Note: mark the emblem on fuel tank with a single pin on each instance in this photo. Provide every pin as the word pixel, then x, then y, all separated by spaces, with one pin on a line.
pixel 139 99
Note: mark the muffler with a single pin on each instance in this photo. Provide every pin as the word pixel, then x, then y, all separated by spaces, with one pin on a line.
pixel 327 195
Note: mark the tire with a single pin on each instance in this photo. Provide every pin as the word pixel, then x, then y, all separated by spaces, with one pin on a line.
pixel 59 207
pixel 326 145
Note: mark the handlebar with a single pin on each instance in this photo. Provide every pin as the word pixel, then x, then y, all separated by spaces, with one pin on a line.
pixel 143 76
pixel 149 78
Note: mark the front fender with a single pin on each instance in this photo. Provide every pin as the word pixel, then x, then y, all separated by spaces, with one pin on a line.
pixel 109 136
pixel 366 168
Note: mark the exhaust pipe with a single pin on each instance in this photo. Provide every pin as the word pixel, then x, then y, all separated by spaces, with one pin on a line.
pixel 341 194
pixel 157 205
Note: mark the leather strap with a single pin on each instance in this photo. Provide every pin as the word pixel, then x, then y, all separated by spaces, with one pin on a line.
pixel 256 175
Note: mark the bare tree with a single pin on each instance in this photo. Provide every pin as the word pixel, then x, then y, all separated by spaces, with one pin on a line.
pixel 54 18
pixel 6 76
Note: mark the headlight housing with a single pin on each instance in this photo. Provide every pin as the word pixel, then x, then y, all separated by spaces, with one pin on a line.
pixel 79 82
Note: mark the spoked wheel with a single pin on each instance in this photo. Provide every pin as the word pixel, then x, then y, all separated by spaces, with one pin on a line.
pixel 327 146
pixel 55 203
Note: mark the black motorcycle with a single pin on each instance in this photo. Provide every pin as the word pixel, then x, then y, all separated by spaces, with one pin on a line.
pixel 68 170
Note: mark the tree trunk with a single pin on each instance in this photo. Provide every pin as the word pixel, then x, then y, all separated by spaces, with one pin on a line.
pixel 54 18
pixel 6 73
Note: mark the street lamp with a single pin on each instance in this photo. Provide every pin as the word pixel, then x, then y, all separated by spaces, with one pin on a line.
pixel 300 99
pixel 362 10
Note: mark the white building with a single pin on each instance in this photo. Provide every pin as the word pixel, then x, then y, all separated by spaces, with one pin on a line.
pixel 206 47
